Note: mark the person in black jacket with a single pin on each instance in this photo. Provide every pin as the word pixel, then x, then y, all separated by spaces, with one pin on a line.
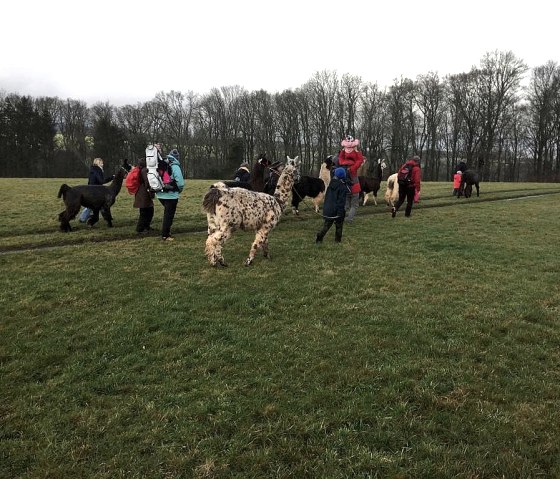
pixel 333 207
pixel 96 177
pixel 243 175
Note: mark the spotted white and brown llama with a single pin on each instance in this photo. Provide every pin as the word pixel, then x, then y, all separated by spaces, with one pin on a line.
pixel 229 209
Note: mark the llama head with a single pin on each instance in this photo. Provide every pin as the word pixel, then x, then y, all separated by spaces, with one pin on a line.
pixel 263 160
pixel 293 163
pixel 126 166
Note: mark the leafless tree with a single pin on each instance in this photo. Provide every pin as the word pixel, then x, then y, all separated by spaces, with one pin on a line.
pixel 544 119
pixel 430 99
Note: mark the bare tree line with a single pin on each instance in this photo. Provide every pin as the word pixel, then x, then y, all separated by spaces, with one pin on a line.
pixel 484 117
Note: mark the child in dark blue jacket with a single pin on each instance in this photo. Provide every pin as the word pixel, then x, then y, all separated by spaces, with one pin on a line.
pixel 333 208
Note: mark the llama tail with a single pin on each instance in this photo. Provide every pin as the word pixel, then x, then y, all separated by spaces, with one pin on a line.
pixel 63 189
pixel 211 199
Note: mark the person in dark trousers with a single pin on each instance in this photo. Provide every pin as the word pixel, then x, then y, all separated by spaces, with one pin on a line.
pixel 334 205
pixel 143 200
pixel 409 189
pixel 169 197
pixel 96 177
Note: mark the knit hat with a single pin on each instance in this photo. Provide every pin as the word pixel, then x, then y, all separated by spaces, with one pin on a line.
pixel 340 173
pixel 175 154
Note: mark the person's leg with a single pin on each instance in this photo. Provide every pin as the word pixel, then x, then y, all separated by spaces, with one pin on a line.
pixel 143 220
pixel 169 207
pixel 321 234
pixel 400 201
pixel 338 230
pixel 84 215
pixel 354 200
pixel 149 217
pixel 409 201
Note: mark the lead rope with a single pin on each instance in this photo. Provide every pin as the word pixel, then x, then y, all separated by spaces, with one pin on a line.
pixel 302 200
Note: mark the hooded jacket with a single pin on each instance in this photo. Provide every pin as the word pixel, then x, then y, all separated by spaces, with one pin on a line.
pixel 415 177
pixel 176 174
pixel 335 199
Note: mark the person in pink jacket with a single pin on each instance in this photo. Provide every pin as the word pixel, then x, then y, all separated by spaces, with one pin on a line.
pixel 457 182
pixel 351 159
pixel 409 179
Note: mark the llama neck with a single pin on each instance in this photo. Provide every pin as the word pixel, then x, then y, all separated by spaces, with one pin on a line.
pixel 116 184
pixel 284 186
pixel 325 174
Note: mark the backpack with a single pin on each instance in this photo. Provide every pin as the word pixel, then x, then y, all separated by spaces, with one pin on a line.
pixel 404 175
pixel 153 160
pixel 132 181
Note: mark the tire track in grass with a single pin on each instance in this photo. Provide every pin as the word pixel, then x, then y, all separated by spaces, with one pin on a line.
pixel 76 242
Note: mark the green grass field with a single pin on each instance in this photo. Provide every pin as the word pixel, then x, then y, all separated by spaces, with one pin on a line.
pixel 426 347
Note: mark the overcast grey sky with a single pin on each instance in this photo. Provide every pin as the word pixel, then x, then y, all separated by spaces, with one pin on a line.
pixel 125 51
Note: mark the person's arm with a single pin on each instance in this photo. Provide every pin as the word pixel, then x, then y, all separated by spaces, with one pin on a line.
pixel 178 177
pixel 359 159
pixel 416 178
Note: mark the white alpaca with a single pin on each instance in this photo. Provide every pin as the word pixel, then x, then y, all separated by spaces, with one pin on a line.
pixel 228 209
pixel 392 191
pixel 325 175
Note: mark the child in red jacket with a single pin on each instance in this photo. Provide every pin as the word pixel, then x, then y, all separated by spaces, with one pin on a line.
pixel 457 182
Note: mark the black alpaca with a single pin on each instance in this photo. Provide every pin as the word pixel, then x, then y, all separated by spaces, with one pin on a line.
pixel 306 186
pixel 468 179
pixel 371 184
pixel 97 197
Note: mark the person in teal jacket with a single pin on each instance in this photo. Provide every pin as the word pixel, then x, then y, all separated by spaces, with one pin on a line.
pixel 169 197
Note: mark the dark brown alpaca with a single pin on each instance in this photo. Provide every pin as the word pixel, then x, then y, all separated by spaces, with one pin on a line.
pixel 97 197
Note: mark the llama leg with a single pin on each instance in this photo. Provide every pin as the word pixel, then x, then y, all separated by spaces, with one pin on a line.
pixel 365 199
pixel 375 199
pixel 295 207
pixel 106 213
pixel 317 201
pixel 213 249
pixel 260 239
pixel 94 218
pixel 211 224
pixel 64 223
